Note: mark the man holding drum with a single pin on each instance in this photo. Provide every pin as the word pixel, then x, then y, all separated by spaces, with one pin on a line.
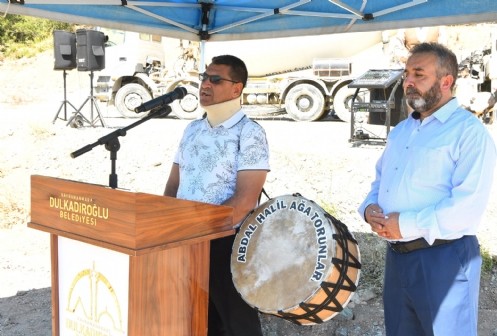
pixel 432 185
pixel 223 158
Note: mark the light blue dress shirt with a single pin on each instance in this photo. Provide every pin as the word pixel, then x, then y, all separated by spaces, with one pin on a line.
pixel 437 173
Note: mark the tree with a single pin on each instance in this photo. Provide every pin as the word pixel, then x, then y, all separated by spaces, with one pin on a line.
pixel 19 34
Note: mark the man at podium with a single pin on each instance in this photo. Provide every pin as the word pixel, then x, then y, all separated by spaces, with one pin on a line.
pixel 223 159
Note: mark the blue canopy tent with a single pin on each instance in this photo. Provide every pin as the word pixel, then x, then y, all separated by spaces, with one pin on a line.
pixel 221 20
pixel 224 20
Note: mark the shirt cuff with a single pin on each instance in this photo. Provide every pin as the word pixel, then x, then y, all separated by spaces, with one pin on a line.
pixel 408 227
pixel 362 210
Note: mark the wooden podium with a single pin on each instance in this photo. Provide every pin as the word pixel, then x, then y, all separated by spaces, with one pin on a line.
pixel 126 263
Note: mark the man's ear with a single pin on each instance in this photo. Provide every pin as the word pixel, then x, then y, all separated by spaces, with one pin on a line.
pixel 237 89
pixel 446 82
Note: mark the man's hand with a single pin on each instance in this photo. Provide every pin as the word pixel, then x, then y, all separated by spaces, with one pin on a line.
pixel 385 226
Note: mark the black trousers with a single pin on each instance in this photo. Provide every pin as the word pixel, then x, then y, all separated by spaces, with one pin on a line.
pixel 229 314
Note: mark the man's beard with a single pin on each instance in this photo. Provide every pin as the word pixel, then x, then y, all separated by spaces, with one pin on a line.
pixel 426 101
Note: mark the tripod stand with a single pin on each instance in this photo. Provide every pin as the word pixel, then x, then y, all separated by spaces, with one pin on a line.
pixel 79 119
pixel 64 103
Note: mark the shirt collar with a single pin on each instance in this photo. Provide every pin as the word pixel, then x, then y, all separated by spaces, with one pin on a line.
pixel 232 121
pixel 444 113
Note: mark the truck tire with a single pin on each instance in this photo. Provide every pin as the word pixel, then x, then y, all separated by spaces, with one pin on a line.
pixel 305 102
pixel 342 102
pixel 130 96
pixel 189 107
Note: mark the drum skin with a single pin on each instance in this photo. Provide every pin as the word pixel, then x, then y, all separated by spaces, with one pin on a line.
pixel 292 259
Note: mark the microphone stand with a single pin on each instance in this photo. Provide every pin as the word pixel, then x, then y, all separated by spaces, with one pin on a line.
pixel 111 141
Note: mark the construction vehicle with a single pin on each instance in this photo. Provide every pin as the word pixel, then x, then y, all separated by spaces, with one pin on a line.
pixel 140 67
pixel 305 76
pixel 480 67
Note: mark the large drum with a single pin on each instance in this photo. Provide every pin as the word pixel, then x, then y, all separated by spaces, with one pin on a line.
pixel 292 259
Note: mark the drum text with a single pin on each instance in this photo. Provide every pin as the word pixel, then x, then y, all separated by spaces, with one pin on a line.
pixel 319 222
pixel 322 241
pixel 244 242
pixel 261 217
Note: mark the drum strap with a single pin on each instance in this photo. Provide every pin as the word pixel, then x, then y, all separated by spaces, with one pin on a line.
pixel 263 192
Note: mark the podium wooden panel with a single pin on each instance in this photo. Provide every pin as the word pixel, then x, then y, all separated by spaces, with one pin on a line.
pixel 167 241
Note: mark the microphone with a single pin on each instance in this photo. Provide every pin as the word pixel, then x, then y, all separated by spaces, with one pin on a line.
pixel 416 115
pixel 166 99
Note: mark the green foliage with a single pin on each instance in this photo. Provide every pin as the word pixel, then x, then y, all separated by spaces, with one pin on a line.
pixel 487 260
pixel 329 208
pixel 24 36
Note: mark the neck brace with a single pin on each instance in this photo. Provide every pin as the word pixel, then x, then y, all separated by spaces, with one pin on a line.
pixel 219 113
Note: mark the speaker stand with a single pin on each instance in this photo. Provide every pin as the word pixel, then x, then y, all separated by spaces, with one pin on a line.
pixel 79 119
pixel 64 103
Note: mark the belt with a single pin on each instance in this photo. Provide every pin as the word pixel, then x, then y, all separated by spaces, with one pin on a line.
pixel 418 244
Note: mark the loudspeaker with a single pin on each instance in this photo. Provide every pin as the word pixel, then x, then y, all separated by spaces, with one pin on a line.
pixel 64 44
pixel 397 113
pixel 90 45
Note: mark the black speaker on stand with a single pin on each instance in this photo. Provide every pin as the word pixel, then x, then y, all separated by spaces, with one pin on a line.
pixel 64 59
pixel 90 47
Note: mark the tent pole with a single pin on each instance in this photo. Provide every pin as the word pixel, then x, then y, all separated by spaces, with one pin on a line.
pixel 202 56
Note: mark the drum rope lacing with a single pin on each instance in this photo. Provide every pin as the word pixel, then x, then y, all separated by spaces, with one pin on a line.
pixel 331 289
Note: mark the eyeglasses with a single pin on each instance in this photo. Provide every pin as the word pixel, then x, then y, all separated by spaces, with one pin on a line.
pixel 214 79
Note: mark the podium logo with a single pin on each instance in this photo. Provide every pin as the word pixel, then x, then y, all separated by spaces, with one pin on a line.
pixel 92 306
pixel 78 209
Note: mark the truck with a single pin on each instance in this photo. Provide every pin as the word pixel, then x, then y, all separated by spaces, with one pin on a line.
pixel 306 77
pixel 139 67
pixel 481 64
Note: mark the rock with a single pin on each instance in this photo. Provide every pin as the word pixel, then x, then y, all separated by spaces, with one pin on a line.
pixel 346 314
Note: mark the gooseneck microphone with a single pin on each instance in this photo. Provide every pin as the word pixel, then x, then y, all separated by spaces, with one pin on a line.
pixel 166 99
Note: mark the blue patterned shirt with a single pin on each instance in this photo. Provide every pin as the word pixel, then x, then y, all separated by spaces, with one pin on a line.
pixel 209 158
